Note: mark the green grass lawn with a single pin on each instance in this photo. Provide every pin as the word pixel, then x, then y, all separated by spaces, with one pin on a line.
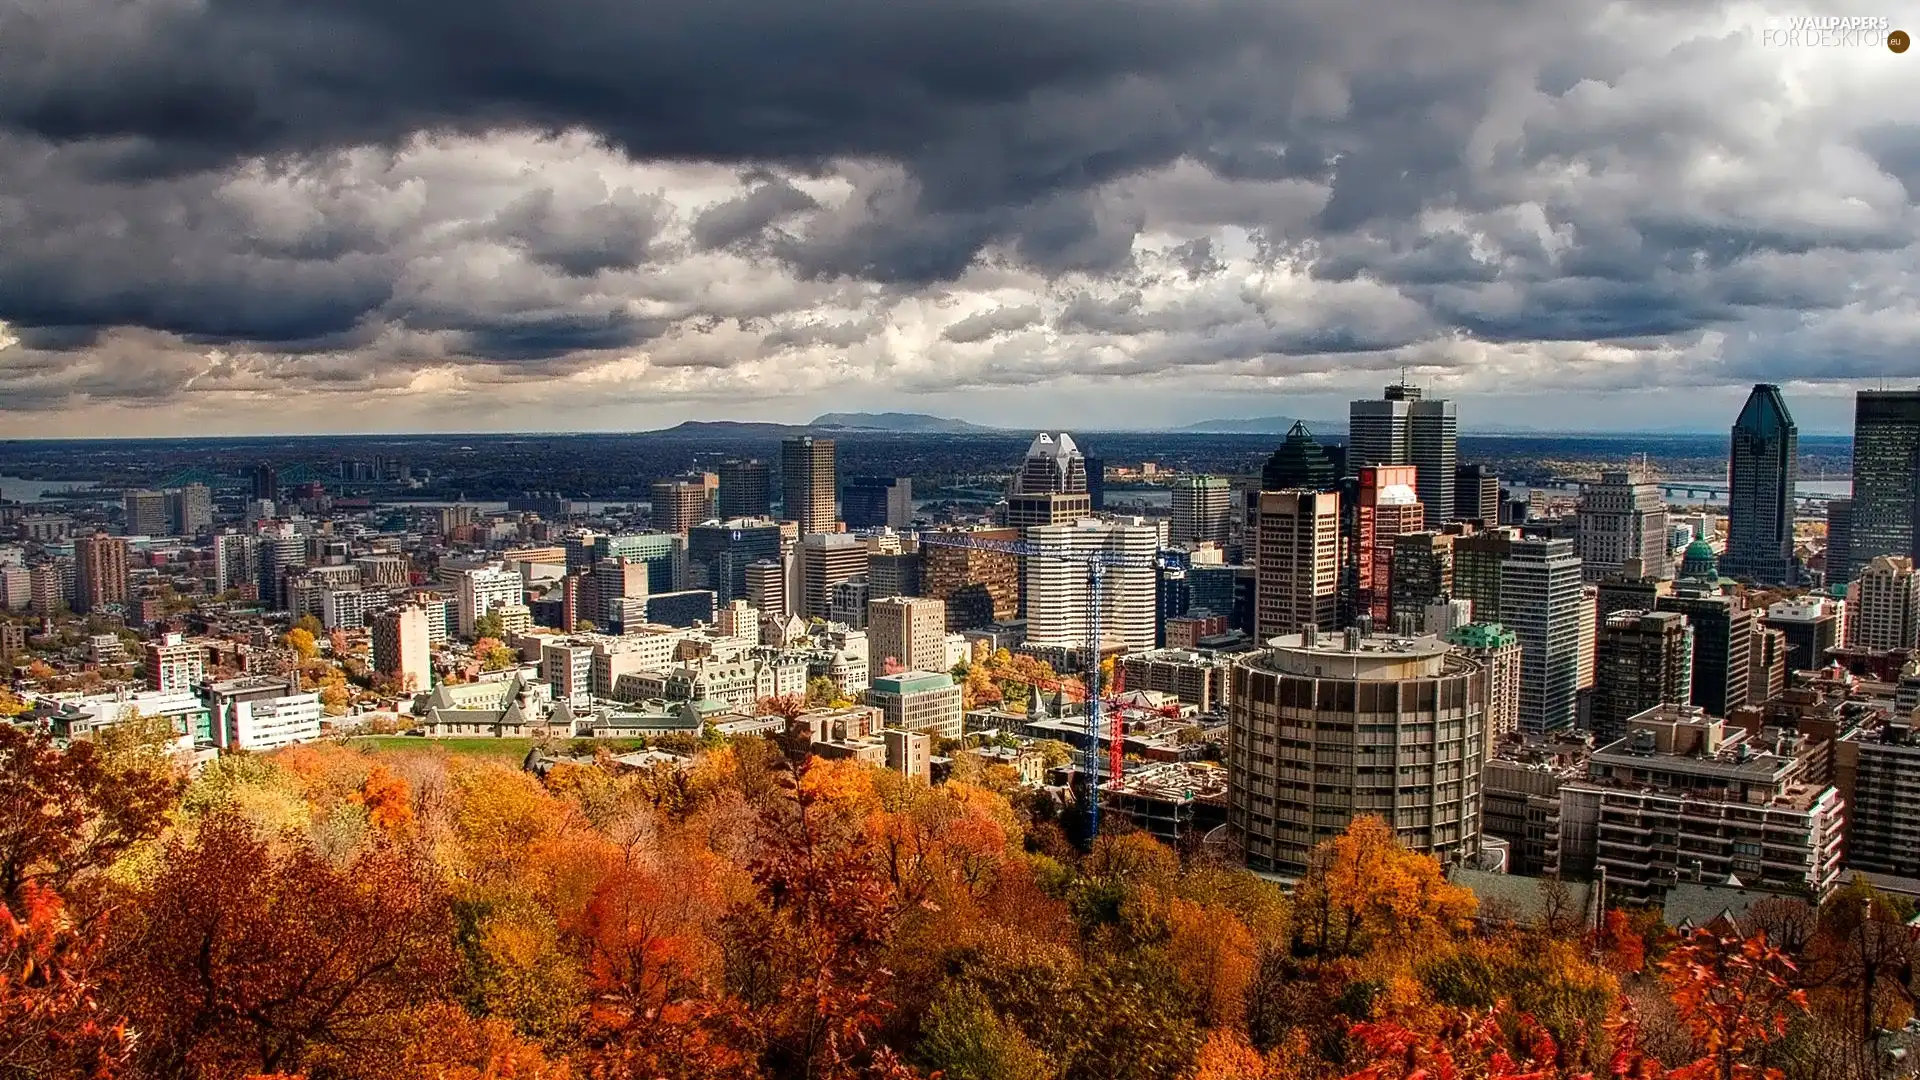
pixel 512 749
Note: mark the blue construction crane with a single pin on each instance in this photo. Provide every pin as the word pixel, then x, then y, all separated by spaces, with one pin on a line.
pixel 1097 564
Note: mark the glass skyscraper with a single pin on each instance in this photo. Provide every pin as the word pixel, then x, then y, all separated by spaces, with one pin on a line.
pixel 1761 472
pixel 1886 474
pixel 1405 427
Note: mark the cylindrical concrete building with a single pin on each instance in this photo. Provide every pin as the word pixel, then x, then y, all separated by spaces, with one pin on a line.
pixel 1324 728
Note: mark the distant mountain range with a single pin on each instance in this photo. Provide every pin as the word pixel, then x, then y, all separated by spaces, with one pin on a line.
pixel 900 421
pixel 1261 425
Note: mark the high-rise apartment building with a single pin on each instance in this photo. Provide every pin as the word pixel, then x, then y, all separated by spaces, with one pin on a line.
pixel 100 572
pixel 679 505
pixel 1387 509
pixel 911 631
pixel 1877 769
pixel 1476 495
pixel 1760 478
pixel 1051 486
pixel 1623 517
pixel 1886 475
pixel 403 648
pixel 1722 639
pixel 871 502
pixel 1296 558
pixel 1812 628
pixel 1542 603
pixel 236 561
pixel 1201 511
pixel 1645 659
pixel 1405 427
pixel 1304 759
pixel 745 491
pixel 1883 605
pixel 1057 600
pixel 175 665
pixel 808 484
pixel 826 559
pixel 484 591
pixel 1300 464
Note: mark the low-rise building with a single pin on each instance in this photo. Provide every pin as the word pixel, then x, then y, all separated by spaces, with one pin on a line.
pixel 262 712
pixel 919 701
pixel 1177 802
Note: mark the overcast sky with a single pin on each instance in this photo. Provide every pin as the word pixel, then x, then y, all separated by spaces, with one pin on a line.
pixel 361 215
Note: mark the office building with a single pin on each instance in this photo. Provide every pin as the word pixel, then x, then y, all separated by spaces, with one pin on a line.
pixel 1542 603
pixel 1883 605
pixel 871 502
pixel 766 589
pixel 919 701
pixel 483 592
pixel 980 587
pixel 1683 799
pixel 1760 479
pixel 403 648
pixel 1300 464
pixel 745 490
pixel 1766 664
pixel 893 574
pixel 1324 728
pixel 1057 600
pixel 1296 561
pixel 1051 486
pixel 1387 508
pixel 262 712
pixel 100 572
pixel 189 510
pixel 1812 628
pixel 1096 483
pixel 910 631
pixel 809 486
pixel 1838 552
pixel 1722 643
pixel 175 665
pixel 1629 590
pixel 826 559
pixel 1886 474
pixel 679 505
pixel 568 669
pixel 1623 517
pixel 1477 562
pixel 1201 511
pixel 848 607
pixel 145 513
pixel 718 554
pixel 1497 650
pixel 266 483
pixel 1476 495
pixel 1405 427
pixel 1645 659
pixel 1422 575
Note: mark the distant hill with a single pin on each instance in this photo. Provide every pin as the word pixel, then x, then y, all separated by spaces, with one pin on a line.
pixel 728 429
pixel 915 423
pixel 1261 425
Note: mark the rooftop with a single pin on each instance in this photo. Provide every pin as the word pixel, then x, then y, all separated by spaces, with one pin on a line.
pixel 912 682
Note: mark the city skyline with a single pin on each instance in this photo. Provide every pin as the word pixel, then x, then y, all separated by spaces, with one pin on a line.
pixel 1583 213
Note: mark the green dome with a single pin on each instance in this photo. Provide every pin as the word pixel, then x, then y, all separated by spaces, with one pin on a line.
pixel 1699 561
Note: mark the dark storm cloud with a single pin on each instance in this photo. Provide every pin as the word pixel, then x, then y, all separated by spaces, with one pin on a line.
pixel 768 200
pixel 610 235
pixel 987 324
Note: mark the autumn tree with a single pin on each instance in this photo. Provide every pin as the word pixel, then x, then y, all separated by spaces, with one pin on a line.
pixel 302 643
pixel 1734 994
pixel 1364 888
pixel 52 1024
pixel 246 957
pixel 67 814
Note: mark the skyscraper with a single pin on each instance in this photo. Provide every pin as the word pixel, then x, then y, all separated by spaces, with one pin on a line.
pixel 1541 602
pixel 679 505
pixel 1644 659
pixel 1839 540
pixel 744 489
pixel 1476 495
pixel 1051 486
pixel 808 486
pixel 1296 560
pixel 190 510
pixel 1722 640
pixel 869 502
pixel 827 559
pixel 911 631
pixel 718 554
pixel 266 483
pixel 1057 598
pixel 1405 427
pixel 1760 476
pixel 1388 508
pixel 1886 473
pixel 1201 510
pixel 1624 517
pixel 145 513
pixel 1883 605
pixel 1300 464
pixel 100 572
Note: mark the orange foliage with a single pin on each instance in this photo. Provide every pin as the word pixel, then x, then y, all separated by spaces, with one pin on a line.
pixel 52 1024
pixel 1735 995
pixel 388 801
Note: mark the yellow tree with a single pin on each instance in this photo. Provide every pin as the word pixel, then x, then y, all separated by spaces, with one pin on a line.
pixel 301 642
pixel 1364 888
